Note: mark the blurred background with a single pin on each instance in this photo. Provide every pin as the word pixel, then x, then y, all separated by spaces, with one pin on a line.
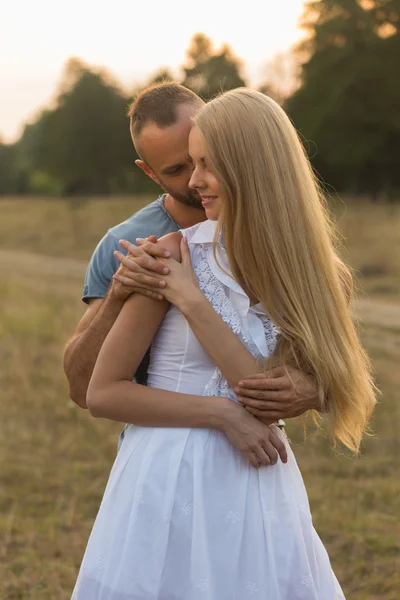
pixel 67 173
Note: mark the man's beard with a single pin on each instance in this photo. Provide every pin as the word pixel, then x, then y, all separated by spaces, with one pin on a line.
pixel 191 198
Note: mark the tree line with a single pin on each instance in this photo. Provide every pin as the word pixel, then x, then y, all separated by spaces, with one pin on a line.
pixel 345 105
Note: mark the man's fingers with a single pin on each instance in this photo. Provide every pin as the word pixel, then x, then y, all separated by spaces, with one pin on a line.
pixel 141 280
pixel 137 273
pixel 145 245
pixel 278 372
pixel 140 261
pixel 129 247
pixel 136 289
pixel 153 249
pixel 264 383
pixel 127 261
pixel 262 414
pixel 265 395
pixel 268 374
pixel 148 263
pixel 261 404
pixel 148 293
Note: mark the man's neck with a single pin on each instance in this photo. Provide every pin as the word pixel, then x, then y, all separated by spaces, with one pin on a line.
pixel 185 216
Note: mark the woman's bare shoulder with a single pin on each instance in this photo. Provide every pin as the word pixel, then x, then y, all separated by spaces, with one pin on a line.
pixel 172 242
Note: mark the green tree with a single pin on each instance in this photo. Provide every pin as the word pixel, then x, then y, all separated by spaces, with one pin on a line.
pixel 86 141
pixel 8 169
pixel 347 103
pixel 208 72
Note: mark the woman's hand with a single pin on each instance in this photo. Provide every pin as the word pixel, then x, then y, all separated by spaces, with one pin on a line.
pixel 181 281
pixel 259 443
pixel 175 281
pixel 139 271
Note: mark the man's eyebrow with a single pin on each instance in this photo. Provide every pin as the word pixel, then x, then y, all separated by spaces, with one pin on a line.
pixel 172 168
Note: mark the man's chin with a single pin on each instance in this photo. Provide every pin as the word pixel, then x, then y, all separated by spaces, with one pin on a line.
pixel 189 200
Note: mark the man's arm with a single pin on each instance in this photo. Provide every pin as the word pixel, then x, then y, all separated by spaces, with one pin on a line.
pixel 280 393
pixel 82 350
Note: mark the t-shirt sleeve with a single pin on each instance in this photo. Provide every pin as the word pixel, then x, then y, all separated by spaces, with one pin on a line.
pixel 101 268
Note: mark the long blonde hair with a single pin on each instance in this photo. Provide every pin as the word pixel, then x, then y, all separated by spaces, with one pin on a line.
pixel 281 248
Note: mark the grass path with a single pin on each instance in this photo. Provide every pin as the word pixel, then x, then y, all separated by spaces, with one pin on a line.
pixel 371 311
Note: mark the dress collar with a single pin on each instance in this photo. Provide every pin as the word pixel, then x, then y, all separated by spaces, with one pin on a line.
pixel 205 233
pixel 249 315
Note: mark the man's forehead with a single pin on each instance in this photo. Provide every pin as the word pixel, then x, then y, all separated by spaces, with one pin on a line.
pixel 166 146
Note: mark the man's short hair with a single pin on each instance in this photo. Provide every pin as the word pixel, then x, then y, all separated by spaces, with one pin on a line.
pixel 158 104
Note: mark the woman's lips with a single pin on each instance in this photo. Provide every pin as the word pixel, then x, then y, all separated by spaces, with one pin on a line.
pixel 207 200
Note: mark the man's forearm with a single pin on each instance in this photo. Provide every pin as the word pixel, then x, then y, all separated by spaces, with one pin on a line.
pixel 82 351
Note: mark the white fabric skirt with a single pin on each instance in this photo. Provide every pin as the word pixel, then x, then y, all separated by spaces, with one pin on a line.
pixel 185 517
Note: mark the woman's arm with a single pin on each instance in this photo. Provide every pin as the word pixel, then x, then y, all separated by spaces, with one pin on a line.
pixel 113 395
pixel 279 394
pixel 182 290
pixel 217 338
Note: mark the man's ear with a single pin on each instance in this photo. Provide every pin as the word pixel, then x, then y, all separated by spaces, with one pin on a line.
pixel 146 169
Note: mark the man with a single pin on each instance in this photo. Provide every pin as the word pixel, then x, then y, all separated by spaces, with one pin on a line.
pixel 160 121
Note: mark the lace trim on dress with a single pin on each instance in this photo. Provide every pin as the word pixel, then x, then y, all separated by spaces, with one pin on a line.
pixel 215 293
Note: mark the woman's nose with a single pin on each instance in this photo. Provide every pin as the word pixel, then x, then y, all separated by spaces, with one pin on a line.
pixel 195 181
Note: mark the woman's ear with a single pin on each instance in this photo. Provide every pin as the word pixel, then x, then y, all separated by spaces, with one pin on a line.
pixel 146 169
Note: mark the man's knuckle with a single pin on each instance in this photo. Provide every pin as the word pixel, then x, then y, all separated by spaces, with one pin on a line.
pixel 130 266
pixel 141 261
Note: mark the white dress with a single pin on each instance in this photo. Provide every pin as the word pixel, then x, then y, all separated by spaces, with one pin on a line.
pixel 184 515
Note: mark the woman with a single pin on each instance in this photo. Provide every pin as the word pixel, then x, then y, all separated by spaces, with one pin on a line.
pixel 199 506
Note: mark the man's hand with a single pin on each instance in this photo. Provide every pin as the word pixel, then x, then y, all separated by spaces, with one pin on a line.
pixel 139 270
pixel 274 395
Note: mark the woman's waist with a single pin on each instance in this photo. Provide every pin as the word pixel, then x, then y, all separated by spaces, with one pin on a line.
pixel 191 381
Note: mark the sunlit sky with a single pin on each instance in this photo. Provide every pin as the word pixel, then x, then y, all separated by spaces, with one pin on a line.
pixel 131 38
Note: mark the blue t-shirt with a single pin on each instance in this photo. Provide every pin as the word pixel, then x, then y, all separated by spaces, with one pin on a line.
pixel 153 219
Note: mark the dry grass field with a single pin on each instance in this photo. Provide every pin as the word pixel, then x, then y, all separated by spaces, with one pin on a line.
pixel 55 458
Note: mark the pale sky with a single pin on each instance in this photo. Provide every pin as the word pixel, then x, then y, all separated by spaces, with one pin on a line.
pixel 131 38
